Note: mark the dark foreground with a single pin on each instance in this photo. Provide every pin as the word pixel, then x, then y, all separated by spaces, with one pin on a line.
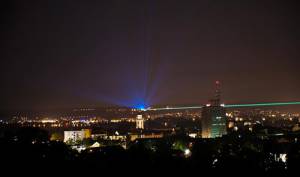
pixel 29 148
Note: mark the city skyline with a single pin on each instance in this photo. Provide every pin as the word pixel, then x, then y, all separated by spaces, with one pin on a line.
pixel 137 86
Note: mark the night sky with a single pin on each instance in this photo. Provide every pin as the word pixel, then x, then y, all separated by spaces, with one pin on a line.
pixel 139 53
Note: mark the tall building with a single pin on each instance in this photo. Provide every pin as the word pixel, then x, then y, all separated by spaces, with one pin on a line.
pixel 139 122
pixel 214 116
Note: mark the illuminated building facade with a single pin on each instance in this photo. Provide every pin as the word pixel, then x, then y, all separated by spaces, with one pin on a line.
pixel 140 122
pixel 146 136
pixel 74 136
pixel 214 117
pixel 87 133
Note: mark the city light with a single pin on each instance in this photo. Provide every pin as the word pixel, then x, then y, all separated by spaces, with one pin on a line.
pixel 187 153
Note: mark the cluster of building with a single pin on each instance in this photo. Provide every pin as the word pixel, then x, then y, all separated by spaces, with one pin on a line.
pixel 79 135
pixel 214 124
pixel 75 138
pixel 214 119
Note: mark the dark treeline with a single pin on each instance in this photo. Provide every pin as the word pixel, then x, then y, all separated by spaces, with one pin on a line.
pixel 32 148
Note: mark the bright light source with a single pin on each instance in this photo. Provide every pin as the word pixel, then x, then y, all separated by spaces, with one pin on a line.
pixel 215 161
pixel 193 135
pixel 142 108
pixel 187 152
pixel 283 157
